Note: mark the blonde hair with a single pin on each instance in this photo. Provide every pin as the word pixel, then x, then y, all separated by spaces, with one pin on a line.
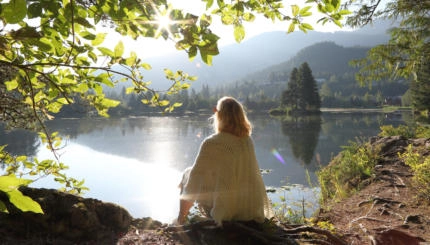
pixel 230 117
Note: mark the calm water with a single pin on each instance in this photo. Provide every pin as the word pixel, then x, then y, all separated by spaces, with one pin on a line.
pixel 137 162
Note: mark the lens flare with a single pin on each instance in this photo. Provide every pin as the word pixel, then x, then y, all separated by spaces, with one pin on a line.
pixel 278 156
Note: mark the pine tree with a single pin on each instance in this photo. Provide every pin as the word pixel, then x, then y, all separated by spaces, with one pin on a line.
pixel 420 87
pixel 302 91
pixel 290 97
pixel 309 90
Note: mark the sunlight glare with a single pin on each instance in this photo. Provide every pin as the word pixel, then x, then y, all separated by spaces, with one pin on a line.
pixel 144 189
pixel 163 21
pixel 278 156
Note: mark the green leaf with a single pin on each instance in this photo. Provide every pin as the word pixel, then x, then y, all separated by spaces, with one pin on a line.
pixel 14 11
pixel 209 3
pixel 100 37
pixel 304 12
pixel 291 28
pixel 185 86
pixel 169 73
pixel 45 44
pixel 106 51
pixel 21 158
pixel 193 78
pixel 34 10
pixel 24 203
pixel 11 85
pixel 129 90
pixel 249 17
pixel 11 182
pixel 146 66
pixel 130 61
pixel 192 52
pixel 329 8
pixel 227 19
pixel 163 102
pixel 307 26
pixel 63 101
pixel 87 35
pixel 109 102
pixel 54 107
pixel 295 10
pixel 3 208
pixel 344 12
pixel 82 88
pixel 239 33
pixel 119 49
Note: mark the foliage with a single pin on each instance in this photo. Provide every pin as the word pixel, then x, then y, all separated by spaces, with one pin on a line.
pixel 289 211
pixel 9 185
pixel 52 53
pixel 401 130
pixel 420 87
pixel 34 169
pixel 290 97
pixel 345 173
pixel 302 92
pixel 420 166
pixel 407 131
pixel 409 47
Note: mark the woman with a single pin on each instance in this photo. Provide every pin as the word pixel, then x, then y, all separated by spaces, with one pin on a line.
pixel 225 180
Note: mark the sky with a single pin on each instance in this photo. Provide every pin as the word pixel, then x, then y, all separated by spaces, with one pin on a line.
pixel 146 47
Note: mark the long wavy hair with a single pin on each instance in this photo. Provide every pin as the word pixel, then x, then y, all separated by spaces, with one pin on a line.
pixel 230 117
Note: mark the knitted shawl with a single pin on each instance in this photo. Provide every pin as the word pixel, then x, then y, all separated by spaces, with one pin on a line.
pixel 226 181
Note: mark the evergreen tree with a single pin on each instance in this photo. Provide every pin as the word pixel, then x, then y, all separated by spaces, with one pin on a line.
pixel 420 87
pixel 290 97
pixel 310 99
pixel 302 92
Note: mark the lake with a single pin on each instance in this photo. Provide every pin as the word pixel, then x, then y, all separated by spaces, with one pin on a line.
pixel 137 162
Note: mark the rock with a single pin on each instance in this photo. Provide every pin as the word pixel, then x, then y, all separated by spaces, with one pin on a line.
pixel 66 216
pixel 416 219
pixel 396 237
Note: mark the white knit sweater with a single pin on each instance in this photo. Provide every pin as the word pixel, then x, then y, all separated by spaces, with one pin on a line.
pixel 225 180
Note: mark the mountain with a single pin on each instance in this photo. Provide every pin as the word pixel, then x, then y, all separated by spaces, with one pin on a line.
pixel 255 54
pixel 329 63
pixel 325 58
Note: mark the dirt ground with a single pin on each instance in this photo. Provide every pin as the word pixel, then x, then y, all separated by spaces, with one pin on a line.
pixel 386 211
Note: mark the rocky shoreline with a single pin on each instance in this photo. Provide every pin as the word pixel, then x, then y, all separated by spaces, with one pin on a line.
pixel 385 211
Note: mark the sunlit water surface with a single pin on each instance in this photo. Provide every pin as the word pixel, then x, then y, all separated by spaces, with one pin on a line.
pixel 137 162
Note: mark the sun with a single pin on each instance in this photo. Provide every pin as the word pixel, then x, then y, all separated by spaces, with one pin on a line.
pixel 163 21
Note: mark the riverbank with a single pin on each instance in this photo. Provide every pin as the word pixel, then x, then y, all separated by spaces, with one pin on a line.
pixel 387 208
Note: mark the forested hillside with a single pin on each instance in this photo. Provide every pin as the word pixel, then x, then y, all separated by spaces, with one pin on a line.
pixel 330 65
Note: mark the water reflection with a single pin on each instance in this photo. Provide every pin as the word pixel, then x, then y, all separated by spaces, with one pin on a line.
pixel 303 133
pixel 144 189
pixel 19 142
pixel 136 162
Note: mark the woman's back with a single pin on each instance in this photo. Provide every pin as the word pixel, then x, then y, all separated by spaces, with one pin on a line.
pixel 226 180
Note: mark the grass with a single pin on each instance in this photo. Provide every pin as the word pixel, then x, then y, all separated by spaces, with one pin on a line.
pixel 407 131
pixel 346 172
pixel 355 163
pixel 420 166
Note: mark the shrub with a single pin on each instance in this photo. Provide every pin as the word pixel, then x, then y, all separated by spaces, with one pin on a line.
pixel 418 131
pixel 420 166
pixel 346 172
